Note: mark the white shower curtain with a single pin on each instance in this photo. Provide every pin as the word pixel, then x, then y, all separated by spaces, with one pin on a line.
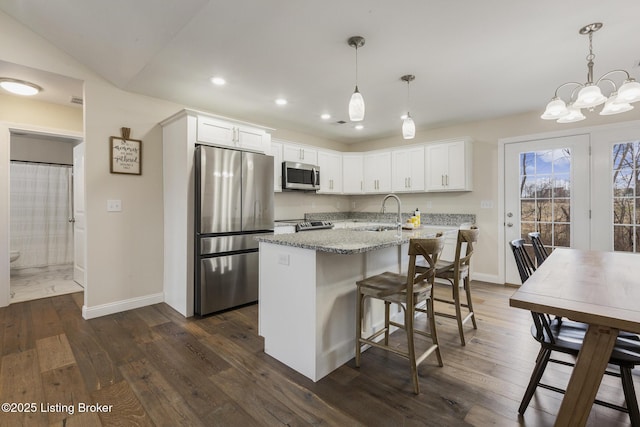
pixel 40 212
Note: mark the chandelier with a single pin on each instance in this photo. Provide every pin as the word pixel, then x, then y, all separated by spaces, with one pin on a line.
pixel 590 94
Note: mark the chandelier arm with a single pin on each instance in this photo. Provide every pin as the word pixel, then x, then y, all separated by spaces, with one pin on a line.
pixel 611 72
pixel 578 85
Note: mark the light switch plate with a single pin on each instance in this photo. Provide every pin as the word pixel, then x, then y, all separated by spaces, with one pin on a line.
pixel 486 204
pixel 114 205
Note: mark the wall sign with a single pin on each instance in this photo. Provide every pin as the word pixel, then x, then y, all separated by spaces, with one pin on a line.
pixel 126 154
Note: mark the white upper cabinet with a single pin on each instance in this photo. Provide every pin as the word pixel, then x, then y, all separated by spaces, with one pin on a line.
pixel 220 132
pixel 299 153
pixel 408 169
pixel 330 163
pixel 377 172
pixel 276 152
pixel 352 173
pixel 449 166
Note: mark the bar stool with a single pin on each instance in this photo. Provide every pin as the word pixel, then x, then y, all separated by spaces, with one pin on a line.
pixel 455 272
pixel 407 291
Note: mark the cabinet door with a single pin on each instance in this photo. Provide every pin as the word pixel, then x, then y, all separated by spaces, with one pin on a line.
pixel 276 152
pixel 353 173
pixel 408 169
pixel 213 131
pixel 253 139
pixel 456 166
pixel 437 161
pixel 330 172
pixel 377 172
pixel 299 153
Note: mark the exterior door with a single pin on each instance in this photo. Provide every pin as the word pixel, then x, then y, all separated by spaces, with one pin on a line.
pixel 78 218
pixel 547 190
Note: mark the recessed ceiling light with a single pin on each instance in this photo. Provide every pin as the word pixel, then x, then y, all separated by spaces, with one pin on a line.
pixel 218 81
pixel 281 101
pixel 19 87
pixel 325 116
pixel 359 127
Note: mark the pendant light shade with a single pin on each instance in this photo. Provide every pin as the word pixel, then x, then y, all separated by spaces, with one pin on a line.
pixel 356 103
pixel 408 126
pixel 356 106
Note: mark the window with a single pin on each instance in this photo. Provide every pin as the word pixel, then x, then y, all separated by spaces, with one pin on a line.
pixel 626 196
pixel 545 196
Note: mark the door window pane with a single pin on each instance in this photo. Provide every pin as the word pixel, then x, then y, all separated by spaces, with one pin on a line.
pixel 545 191
pixel 626 196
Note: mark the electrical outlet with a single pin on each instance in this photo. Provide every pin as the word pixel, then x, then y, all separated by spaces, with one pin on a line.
pixel 283 259
pixel 114 205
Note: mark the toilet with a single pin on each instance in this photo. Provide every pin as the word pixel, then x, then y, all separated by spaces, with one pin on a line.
pixel 14 255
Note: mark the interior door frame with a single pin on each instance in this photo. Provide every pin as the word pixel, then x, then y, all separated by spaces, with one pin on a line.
pixel 6 128
pixel 501 174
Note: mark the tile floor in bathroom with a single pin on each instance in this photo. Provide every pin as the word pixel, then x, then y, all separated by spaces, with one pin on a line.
pixel 35 283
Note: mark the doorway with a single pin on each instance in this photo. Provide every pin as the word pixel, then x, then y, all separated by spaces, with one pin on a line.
pixel 546 190
pixel 43 201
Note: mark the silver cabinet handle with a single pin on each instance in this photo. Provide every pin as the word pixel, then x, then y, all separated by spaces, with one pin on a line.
pixel 409 181
pixel 447 175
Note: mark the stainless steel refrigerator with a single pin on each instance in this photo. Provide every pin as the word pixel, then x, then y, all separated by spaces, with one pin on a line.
pixel 234 203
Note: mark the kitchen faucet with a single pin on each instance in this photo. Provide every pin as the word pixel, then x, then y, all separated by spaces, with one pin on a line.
pixel 399 220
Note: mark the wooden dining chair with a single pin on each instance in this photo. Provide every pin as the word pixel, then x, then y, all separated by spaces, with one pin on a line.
pixel 407 291
pixel 538 248
pixel 456 272
pixel 566 336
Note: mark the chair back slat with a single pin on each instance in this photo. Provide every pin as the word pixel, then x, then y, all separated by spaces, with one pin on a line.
pixel 523 260
pixel 538 248
pixel 465 238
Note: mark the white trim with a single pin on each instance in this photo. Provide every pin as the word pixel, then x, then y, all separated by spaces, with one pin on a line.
pixel 120 306
pixel 489 278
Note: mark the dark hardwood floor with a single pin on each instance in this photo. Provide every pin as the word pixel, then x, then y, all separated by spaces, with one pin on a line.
pixel 151 366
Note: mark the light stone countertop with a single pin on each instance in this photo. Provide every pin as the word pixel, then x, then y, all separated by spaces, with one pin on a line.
pixel 352 241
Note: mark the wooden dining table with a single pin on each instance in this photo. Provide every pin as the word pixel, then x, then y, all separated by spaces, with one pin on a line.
pixel 601 289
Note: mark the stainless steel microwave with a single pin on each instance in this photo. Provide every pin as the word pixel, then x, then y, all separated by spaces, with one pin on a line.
pixel 300 176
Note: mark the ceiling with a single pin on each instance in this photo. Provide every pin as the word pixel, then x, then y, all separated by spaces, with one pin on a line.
pixel 472 60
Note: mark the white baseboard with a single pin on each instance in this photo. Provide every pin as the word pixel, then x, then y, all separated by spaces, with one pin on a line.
pixel 120 306
pixel 491 278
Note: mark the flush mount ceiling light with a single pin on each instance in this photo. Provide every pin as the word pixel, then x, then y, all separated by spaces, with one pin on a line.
pixel 589 95
pixel 19 87
pixel 356 104
pixel 218 81
pixel 408 126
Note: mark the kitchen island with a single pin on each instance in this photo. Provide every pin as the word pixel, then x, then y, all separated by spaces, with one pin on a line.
pixel 307 292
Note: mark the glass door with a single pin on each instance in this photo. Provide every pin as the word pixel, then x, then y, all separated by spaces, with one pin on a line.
pixel 546 190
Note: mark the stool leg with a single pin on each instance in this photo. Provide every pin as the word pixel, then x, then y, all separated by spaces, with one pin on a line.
pixel 456 299
pixel 386 322
pixel 467 289
pixel 359 303
pixel 408 326
pixel 431 315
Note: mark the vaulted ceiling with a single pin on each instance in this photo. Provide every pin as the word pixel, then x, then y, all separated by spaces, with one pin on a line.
pixel 472 60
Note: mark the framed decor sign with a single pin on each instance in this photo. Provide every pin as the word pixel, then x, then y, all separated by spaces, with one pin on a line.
pixel 126 154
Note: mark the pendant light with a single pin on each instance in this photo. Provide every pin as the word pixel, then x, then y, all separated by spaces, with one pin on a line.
pixel 623 92
pixel 356 104
pixel 408 126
